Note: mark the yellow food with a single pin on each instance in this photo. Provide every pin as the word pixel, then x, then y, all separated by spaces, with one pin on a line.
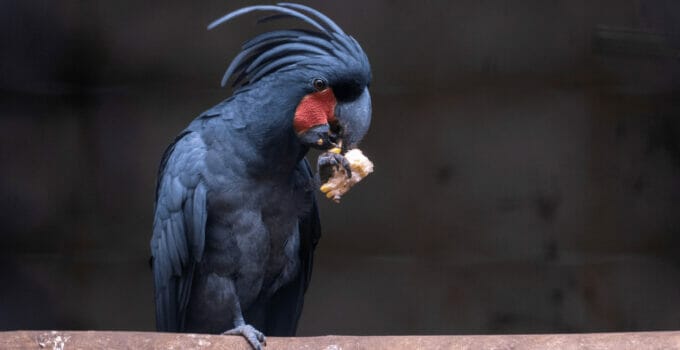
pixel 340 183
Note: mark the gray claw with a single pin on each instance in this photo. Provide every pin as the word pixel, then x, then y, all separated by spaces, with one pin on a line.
pixel 329 162
pixel 256 338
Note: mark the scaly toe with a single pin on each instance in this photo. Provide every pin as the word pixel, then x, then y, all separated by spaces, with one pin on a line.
pixel 252 335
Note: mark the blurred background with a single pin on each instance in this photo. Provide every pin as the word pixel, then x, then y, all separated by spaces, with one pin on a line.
pixel 527 163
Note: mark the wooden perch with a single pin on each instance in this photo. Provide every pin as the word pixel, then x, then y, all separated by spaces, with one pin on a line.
pixel 64 340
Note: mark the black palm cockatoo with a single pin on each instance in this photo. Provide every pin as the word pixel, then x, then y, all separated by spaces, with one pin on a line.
pixel 236 221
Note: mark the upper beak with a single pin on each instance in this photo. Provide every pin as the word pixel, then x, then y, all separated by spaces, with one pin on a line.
pixel 353 119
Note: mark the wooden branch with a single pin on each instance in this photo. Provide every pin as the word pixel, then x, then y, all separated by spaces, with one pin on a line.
pixel 65 340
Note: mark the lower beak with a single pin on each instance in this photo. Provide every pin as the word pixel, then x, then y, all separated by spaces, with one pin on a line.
pixel 319 137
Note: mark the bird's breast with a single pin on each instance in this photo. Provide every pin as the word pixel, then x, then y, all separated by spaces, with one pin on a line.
pixel 252 235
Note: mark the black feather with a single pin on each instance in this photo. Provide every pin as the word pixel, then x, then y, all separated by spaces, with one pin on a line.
pixel 324 19
pixel 275 8
pixel 175 246
pixel 272 51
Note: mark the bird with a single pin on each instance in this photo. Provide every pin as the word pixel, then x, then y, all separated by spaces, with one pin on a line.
pixel 236 221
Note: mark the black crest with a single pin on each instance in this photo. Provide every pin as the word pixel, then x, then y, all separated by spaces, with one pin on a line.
pixel 285 49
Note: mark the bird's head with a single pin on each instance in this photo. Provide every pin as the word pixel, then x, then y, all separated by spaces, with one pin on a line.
pixel 324 73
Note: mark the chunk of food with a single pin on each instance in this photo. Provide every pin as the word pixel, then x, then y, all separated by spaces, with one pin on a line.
pixel 340 183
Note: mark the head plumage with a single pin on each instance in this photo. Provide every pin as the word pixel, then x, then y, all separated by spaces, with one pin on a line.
pixel 282 49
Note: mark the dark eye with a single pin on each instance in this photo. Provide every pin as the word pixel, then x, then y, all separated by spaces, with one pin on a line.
pixel 319 84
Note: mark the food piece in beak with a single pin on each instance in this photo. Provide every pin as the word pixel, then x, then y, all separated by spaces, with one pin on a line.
pixel 339 183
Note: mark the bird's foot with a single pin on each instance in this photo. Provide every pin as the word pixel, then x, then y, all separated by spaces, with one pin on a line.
pixel 256 338
pixel 340 172
pixel 330 163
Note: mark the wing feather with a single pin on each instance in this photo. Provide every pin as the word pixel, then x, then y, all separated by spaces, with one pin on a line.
pixel 179 229
pixel 199 218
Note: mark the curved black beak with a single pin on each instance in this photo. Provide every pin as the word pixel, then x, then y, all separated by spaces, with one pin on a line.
pixel 354 119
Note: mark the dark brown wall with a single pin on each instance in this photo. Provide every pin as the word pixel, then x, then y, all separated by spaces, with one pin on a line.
pixel 527 163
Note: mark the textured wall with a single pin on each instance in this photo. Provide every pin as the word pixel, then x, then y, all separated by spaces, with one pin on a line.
pixel 527 163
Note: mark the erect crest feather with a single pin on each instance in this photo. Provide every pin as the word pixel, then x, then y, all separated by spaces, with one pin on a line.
pixel 275 50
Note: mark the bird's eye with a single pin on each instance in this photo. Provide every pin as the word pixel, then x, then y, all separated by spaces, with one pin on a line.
pixel 319 84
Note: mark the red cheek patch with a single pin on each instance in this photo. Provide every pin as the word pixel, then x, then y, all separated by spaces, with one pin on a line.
pixel 315 109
